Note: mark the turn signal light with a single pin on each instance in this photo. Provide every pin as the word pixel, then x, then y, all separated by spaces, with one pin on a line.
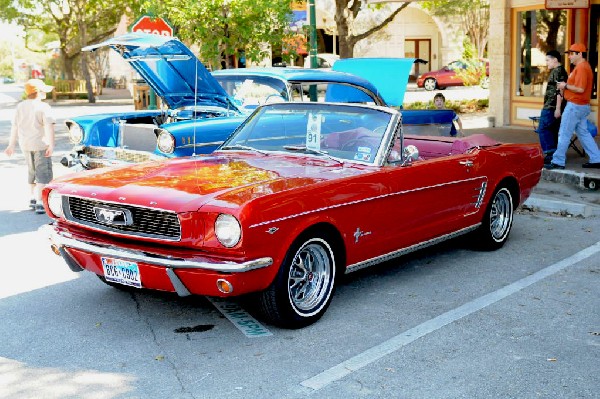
pixel 224 286
pixel 55 249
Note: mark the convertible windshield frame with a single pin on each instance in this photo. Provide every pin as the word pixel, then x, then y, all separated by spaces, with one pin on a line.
pixel 346 133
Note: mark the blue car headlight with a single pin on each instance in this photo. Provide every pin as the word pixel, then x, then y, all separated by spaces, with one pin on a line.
pixel 165 141
pixel 75 132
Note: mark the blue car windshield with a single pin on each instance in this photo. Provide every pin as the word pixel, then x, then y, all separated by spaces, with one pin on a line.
pixel 344 132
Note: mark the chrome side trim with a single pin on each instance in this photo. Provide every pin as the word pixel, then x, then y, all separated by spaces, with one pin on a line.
pixel 191 145
pixel 365 200
pixel 63 241
pixel 412 248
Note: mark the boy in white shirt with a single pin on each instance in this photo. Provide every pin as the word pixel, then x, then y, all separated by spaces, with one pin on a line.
pixel 33 128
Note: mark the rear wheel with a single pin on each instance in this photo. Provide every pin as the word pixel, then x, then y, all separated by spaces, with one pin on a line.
pixel 430 84
pixel 304 285
pixel 497 221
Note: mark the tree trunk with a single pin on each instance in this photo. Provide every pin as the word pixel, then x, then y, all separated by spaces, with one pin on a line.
pixel 86 75
pixel 346 49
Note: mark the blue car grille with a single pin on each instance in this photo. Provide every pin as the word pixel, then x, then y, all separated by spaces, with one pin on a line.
pixel 146 222
pixel 100 156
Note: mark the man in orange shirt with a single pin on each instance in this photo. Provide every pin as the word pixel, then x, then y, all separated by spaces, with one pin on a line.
pixel 577 90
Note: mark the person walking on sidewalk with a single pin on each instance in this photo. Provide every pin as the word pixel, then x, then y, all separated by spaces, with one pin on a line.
pixel 33 128
pixel 549 122
pixel 577 90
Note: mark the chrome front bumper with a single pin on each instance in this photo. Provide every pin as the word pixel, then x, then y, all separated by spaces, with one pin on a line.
pixel 63 240
pixel 84 157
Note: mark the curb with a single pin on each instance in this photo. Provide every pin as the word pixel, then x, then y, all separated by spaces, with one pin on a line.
pixel 538 203
pixel 580 180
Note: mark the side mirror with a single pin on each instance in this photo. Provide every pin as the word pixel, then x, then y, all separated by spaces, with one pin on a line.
pixel 410 154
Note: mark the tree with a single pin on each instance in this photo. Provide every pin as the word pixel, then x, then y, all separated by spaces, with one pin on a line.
pixel 223 27
pixel 348 11
pixel 473 14
pixel 74 23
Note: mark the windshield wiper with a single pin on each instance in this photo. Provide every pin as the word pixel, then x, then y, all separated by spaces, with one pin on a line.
pixel 243 147
pixel 312 151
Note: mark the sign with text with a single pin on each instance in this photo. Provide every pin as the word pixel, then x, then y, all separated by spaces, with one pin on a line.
pixel 566 4
pixel 153 25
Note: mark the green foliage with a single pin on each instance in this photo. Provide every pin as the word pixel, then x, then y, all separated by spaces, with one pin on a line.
pixel 74 23
pixel 469 50
pixel 460 106
pixel 473 74
pixel 222 27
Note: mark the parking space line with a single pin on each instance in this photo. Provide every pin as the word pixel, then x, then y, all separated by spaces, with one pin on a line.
pixel 397 342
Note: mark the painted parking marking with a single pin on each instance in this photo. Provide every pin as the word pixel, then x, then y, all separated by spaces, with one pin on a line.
pixel 369 356
pixel 247 324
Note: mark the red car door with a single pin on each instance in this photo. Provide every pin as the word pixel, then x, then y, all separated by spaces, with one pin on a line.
pixel 433 197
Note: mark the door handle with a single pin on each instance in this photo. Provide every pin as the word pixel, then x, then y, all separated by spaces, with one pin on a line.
pixel 468 164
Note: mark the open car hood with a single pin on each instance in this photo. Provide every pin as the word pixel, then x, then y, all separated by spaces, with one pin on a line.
pixel 389 75
pixel 170 68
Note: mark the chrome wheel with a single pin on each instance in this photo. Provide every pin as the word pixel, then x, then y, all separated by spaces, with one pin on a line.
pixel 429 84
pixel 304 285
pixel 310 276
pixel 501 214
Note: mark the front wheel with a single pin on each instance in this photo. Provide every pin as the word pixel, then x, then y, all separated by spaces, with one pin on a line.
pixel 304 285
pixel 497 221
pixel 485 82
pixel 429 84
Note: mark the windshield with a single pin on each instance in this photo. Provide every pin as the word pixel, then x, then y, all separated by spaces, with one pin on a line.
pixel 335 131
pixel 248 92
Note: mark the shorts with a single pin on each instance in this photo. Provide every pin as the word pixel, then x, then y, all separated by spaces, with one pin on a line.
pixel 39 167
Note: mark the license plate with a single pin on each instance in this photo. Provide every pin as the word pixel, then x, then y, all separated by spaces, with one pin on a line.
pixel 121 272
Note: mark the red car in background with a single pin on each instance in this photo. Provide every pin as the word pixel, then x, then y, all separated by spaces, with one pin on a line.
pixel 446 76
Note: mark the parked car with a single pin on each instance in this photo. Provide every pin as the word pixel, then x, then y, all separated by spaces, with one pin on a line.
pixel 201 109
pixel 299 195
pixel 6 80
pixel 446 76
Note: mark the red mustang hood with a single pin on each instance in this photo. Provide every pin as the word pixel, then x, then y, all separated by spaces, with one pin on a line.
pixel 187 184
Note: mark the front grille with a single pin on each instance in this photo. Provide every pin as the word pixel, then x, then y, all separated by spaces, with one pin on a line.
pixel 147 222
pixel 116 154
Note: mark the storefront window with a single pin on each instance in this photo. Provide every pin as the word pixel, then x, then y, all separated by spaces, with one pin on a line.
pixel 541 31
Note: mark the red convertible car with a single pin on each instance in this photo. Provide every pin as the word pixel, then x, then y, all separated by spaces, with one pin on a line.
pixel 300 194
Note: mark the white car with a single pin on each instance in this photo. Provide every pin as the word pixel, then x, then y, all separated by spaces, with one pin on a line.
pixel 324 60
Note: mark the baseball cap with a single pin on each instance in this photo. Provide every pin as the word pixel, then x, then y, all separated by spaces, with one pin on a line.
pixel 577 48
pixel 36 85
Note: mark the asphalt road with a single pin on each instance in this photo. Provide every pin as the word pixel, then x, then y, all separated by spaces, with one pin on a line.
pixel 446 322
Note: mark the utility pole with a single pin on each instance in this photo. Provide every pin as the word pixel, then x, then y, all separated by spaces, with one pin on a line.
pixel 312 91
pixel 312 33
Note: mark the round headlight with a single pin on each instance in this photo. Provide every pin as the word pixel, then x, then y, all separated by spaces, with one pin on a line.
pixel 228 230
pixel 55 203
pixel 75 133
pixel 166 142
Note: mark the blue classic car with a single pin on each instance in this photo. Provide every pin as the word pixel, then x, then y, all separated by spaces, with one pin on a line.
pixel 199 109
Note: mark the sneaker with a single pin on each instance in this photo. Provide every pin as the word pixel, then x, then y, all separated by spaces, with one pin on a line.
pixel 39 208
pixel 591 165
pixel 32 203
pixel 553 166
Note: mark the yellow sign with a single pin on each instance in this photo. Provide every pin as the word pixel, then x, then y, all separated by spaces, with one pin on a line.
pixel 564 4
